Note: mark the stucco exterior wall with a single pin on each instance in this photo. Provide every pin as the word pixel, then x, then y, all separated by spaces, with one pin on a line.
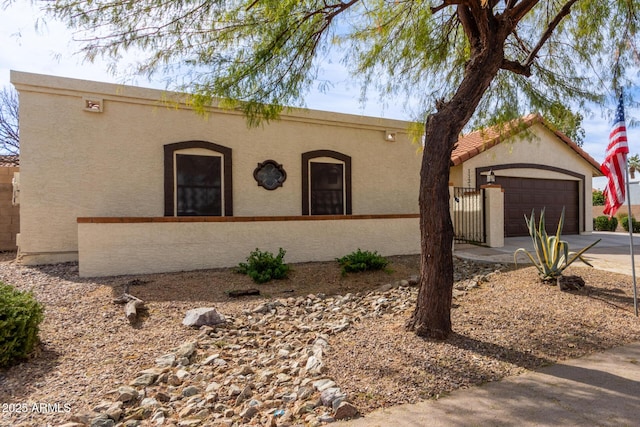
pixel 149 247
pixel 78 163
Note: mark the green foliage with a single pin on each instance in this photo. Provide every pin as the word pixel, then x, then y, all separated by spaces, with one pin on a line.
pixel 604 223
pixel 552 254
pixel 624 220
pixel 263 266
pixel 261 56
pixel 20 315
pixel 362 261
pixel 598 198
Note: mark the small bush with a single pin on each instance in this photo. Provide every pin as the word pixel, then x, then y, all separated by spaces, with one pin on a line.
pixel 624 220
pixel 362 261
pixel 603 223
pixel 263 266
pixel 20 315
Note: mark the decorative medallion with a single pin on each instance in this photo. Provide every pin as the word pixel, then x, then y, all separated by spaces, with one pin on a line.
pixel 270 174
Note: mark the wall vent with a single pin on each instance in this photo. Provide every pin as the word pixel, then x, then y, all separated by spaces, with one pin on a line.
pixel 93 105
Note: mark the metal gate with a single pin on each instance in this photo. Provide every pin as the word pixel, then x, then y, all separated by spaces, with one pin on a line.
pixel 468 215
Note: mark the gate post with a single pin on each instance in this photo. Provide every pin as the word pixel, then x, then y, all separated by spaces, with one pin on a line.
pixel 494 215
pixel 451 201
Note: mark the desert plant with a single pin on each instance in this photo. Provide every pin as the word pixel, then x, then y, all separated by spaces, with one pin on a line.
pixel 604 223
pixel 552 254
pixel 20 315
pixel 362 261
pixel 263 266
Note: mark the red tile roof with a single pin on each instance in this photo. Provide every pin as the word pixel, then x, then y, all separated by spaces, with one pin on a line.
pixel 471 145
pixel 9 160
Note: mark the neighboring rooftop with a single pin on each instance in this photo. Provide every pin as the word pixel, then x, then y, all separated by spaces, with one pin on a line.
pixel 8 160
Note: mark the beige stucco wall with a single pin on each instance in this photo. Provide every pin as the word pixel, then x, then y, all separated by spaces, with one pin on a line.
pixel 539 146
pixel 76 163
pixel 113 249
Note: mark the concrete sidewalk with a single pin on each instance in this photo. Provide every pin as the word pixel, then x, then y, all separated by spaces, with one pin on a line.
pixel 599 390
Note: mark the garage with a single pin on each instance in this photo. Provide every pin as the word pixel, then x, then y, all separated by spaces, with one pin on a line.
pixel 521 195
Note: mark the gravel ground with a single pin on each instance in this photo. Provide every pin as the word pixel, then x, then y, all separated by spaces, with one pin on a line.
pixel 508 324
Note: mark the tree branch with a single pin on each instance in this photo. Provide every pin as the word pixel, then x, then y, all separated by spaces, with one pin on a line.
pixel 566 9
pixel 445 3
pixel 469 26
pixel 516 67
pixel 518 11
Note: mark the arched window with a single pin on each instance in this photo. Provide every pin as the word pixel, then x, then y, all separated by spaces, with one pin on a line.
pixel 326 183
pixel 197 179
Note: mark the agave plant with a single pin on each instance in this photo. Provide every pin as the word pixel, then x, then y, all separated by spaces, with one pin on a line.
pixel 552 254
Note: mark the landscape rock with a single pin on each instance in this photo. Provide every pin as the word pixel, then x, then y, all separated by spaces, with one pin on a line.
pixel 186 350
pixel 114 411
pixel 102 420
pixel 166 360
pixel 203 316
pixel 263 366
pixel 144 379
pixel 126 394
pixel 345 411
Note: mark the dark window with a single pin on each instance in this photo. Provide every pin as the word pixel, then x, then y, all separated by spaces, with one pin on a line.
pixel 199 185
pixel 327 189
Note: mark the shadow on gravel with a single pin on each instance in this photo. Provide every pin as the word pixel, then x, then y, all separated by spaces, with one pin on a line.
pixel 504 354
pixel 18 382
pixel 615 297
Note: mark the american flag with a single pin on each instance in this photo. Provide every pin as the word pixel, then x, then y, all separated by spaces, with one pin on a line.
pixel 615 163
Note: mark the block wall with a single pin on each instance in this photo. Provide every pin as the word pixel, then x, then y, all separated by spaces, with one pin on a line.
pixel 9 214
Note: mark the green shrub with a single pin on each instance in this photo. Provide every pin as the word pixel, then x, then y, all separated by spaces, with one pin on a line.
pixel 20 315
pixel 362 261
pixel 624 220
pixel 604 223
pixel 263 266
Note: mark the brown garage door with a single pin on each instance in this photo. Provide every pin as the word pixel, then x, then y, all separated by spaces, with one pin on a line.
pixel 521 195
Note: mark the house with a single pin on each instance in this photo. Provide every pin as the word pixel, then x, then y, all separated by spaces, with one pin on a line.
pixel 132 180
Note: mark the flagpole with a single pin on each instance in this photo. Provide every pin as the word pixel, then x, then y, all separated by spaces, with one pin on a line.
pixel 630 222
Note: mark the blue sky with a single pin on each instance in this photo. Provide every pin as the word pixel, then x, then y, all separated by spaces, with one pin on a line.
pixel 51 50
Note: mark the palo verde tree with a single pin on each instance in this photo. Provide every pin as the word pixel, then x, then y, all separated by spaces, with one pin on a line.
pixel 468 62
pixel 9 138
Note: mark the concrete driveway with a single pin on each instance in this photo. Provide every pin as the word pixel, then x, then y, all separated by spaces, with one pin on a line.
pixel 612 253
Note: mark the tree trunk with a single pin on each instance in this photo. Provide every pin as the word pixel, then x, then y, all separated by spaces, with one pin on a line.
pixel 432 315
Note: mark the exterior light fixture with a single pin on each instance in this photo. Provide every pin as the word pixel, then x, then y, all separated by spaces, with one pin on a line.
pixel 491 177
